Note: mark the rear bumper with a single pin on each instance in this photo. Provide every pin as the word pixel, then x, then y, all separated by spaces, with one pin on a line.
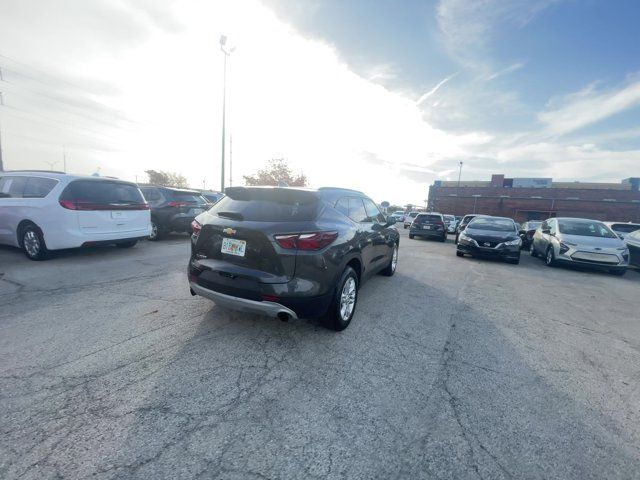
pixel 427 233
pixel 269 309
pixel 73 238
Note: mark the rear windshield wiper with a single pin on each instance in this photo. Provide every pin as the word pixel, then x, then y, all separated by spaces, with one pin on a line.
pixel 231 215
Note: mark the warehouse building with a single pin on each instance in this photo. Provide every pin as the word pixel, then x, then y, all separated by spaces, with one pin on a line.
pixel 538 198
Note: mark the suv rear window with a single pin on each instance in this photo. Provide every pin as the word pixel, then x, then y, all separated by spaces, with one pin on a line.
pixel 429 218
pixel 188 197
pixel 102 192
pixel 267 205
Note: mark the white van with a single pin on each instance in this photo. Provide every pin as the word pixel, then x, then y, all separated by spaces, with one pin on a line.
pixel 42 211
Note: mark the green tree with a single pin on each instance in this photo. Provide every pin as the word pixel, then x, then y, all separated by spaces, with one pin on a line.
pixel 276 172
pixel 167 179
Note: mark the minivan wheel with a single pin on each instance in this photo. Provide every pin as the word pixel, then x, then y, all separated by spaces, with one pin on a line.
pixel 550 258
pixel 344 302
pixel 33 243
pixel 155 232
pixel 390 269
pixel 532 250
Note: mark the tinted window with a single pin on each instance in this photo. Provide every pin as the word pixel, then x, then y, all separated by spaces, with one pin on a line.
pixel 267 205
pixel 428 218
pixel 625 227
pixel 492 224
pixel 342 206
pixel 187 197
pixel 373 213
pixel 151 194
pixel 102 192
pixel 12 187
pixel 357 213
pixel 38 187
pixel 585 228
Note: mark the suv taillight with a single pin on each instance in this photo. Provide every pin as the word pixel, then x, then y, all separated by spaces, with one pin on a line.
pixel 306 241
pixel 177 204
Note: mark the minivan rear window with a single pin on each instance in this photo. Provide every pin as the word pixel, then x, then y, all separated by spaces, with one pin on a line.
pixel 102 192
pixel 267 205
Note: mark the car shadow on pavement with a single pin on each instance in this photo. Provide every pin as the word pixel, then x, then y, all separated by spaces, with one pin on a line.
pixel 434 389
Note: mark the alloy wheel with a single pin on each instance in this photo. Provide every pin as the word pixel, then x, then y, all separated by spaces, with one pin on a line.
pixel 348 299
pixel 154 231
pixel 394 258
pixel 31 243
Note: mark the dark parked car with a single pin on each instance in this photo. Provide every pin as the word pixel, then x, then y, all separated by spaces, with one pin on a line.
pixel 462 224
pixel 172 209
pixel 429 225
pixel 212 197
pixel 527 229
pixel 291 253
pixel 495 237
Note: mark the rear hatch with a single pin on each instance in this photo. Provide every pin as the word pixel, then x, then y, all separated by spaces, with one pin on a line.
pixel 238 235
pixel 429 222
pixel 188 203
pixel 106 206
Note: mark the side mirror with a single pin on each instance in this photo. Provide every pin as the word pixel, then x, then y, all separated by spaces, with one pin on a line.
pixel 546 231
pixel 390 221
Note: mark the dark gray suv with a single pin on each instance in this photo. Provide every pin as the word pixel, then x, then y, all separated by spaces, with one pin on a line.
pixel 291 253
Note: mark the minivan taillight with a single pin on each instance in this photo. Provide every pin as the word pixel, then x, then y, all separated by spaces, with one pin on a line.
pixel 306 241
pixel 79 205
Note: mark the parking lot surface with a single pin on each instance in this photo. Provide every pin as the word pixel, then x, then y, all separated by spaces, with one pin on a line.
pixel 453 368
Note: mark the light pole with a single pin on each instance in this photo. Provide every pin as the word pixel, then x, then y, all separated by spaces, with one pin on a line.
pixel 226 52
pixel 458 189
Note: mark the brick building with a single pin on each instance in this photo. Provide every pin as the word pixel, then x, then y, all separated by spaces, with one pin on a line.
pixel 538 198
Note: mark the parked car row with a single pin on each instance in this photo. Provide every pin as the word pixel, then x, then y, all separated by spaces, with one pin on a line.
pixel 576 241
pixel 43 211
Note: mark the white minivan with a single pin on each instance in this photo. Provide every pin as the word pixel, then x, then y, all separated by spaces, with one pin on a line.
pixel 42 211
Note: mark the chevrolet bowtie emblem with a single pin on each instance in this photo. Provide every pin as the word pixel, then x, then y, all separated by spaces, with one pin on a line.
pixel 229 231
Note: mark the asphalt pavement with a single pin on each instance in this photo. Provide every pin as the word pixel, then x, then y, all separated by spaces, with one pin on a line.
pixel 454 368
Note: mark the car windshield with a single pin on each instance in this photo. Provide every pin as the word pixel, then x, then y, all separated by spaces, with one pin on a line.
pixel 585 228
pixel 449 218
pixel 533 225
pixel 492 224
pixel 625 227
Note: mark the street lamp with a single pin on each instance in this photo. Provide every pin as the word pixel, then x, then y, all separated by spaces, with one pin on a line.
pixel 226 52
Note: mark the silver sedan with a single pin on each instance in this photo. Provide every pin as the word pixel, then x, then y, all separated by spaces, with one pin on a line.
pixel 582 242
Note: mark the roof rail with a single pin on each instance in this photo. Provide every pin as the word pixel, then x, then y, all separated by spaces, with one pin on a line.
pixel 34 171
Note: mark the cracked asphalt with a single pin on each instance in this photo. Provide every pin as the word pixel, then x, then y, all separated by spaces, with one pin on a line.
pixel 453 368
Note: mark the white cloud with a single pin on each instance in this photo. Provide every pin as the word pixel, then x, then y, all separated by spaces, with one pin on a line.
pixel 506 71
pixel 434 89
pixel 589 106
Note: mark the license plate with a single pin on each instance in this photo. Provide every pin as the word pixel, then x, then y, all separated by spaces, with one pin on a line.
pixel 427 227
pixel 232 246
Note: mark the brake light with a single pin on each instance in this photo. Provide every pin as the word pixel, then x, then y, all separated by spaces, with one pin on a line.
pixel 178 204
pixel 196 227
pixel 306 241
pixel 87 206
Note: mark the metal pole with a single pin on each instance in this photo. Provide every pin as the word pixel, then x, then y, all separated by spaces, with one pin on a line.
pixel 224 118
pixel 231 155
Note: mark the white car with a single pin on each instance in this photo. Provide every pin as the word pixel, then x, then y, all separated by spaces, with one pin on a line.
pixel 451 223
pixel 42 211
pixel 622 229
pixel 398 216
pixel 409 217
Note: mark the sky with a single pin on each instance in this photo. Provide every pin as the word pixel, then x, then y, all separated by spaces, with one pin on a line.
pixel 384 96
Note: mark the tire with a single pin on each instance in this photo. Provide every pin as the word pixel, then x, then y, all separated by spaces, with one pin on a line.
pixel 532 250
pixel 443 239
pixel 130 244
pixel 32 243
pixel 390 269
pixel 339 316
pixel 618 271
pixel 459 253
pixel 550 257
pixel 411 237
pixel 155 232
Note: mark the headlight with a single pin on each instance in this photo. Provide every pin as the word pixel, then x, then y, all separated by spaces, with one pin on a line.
pixel 510 243
pixel 464 238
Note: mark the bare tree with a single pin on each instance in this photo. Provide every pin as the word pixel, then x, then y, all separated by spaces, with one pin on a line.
pixel 276 172
pixel 167 179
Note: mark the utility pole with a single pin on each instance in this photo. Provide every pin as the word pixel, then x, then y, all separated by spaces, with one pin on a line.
pixel 226 52
pixel 231 160
pixel 458 191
